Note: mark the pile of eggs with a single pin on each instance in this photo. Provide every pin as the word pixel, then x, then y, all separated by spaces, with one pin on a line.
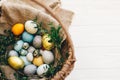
pixel 27 54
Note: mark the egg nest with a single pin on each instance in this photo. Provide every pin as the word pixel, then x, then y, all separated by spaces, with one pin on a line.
pixel 36 51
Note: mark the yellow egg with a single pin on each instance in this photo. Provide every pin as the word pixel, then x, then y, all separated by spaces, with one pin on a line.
pixel 46 42
pixel 38 61
pixel 15 62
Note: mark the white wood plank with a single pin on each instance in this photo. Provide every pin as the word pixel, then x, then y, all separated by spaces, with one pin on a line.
pixel 95 33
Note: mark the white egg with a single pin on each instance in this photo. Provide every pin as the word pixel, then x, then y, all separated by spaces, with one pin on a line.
pixel 12 53
pixel 42 69
pixel 25 45
pixel 26 62
pixel 48 56
pixel 30 57
pixel 30 70
pixel 31 27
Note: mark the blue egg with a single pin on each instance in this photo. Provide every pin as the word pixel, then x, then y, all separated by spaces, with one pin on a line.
pixel 18 45
pixel 27 37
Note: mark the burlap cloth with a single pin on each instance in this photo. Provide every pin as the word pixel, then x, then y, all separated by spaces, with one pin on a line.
pixel 15 11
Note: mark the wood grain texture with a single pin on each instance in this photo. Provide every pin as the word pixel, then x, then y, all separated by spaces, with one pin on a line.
pixel 95 33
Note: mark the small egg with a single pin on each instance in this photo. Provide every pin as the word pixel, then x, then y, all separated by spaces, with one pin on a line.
pixel 25 45
pixel 36 53
pixel 23 52
pixel 37 41
pixel 30 70
pixel 31 49
pixel 31 27
pixel 30 57
pixel 18 45
pixel 38 61
pixel 42 69
pixel 27 37
pixel 12 53
pixel 26 62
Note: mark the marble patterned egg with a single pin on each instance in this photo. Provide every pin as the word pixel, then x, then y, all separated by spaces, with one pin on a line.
pixel 42 69
pixel 31 27
pixel 30 57
pixel 27 37
pixel 37 41
pixel 12 53
pixel 26 62
pixel 23 52
pixel 18 45
pixel 25 45
pixel 30 70
pixel 31 49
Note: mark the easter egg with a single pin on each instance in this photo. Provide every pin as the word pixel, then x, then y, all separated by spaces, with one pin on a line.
pixel 15 62
pixel 42 69
pixel 25 45
pixel 31 49
pixel 29 57
pixel 27 37
pixel 31 27
pixel 46 42
pixel 18 29
pixel 38 61
pixel 30 69
pixel 37 41
pixel 18 45
pixel 23 52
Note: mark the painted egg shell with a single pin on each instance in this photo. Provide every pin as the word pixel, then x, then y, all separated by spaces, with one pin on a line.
pixel 18 45
pixel 12 53
pixel 23 52
pixel 30 57
pixel 38 61
pixel 26 62
pixel 31 49
pixel 27 37
pixel 25 45
pixel 37 41
pixel 42 69
pixel 16 62
pixel 48 56
pixel 30 70
pixel 31 27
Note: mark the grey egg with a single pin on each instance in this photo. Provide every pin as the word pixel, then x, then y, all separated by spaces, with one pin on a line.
pixel 37 41
pixel 30 70
pixel 31 49
pixel 12 53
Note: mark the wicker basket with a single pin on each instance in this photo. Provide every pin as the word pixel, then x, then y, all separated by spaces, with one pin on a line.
pixel 69 63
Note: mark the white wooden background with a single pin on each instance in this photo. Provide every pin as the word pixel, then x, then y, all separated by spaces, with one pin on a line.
pixel 95 33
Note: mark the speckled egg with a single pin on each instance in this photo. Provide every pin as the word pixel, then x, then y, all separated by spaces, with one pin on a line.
pixel 25 45
pixel 18 45
pixel 27 37
pixel 29 57
pixel 26 62
pixel 31 27
pixel 12 53
pixel 42 69
pixel 31 49
pixel 23 52
pixel 30 70
pixel 37 41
